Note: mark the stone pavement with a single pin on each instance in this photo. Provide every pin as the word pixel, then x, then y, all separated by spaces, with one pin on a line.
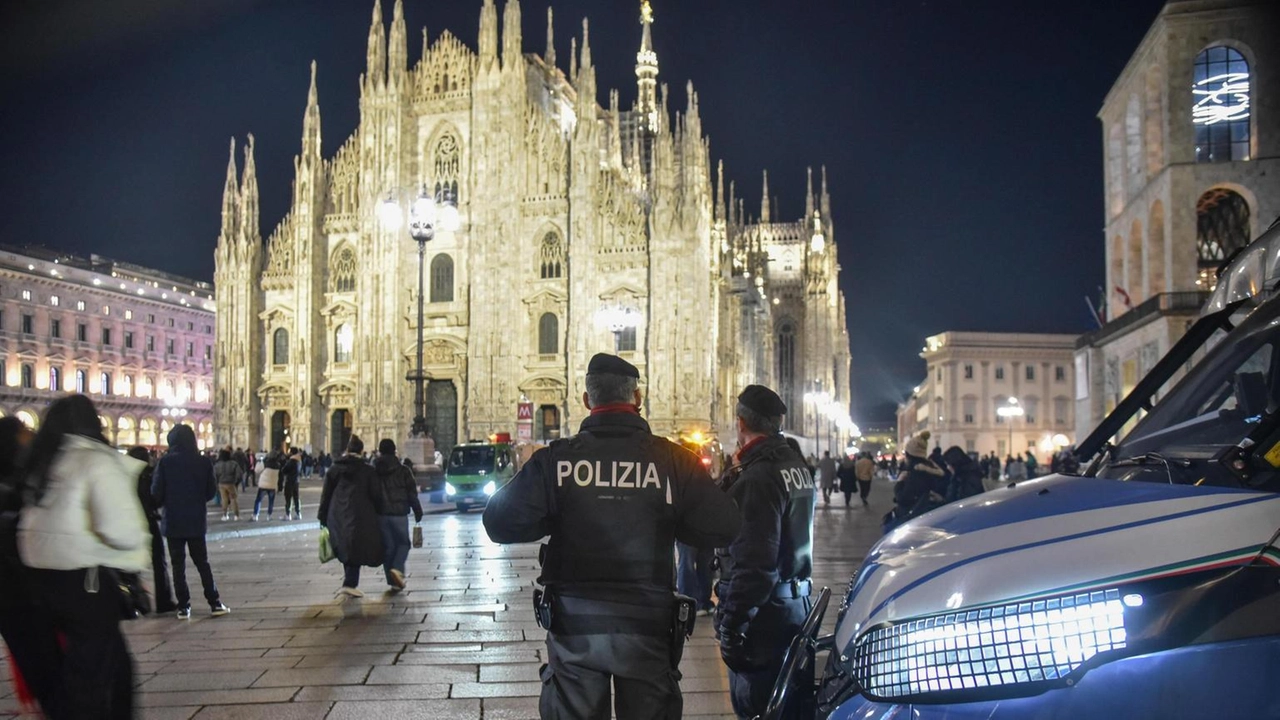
pixel 461 642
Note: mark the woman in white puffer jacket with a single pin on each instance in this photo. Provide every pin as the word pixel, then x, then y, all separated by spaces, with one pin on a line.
pixel 82 514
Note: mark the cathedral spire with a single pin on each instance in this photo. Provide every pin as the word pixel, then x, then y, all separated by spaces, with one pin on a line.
pixel 720 192
pixel 808 195
pixel 573 61
pixel 376 58
pixel 586 76
pixel 488 34
pixel 826 199
pixel 397 47
pixel 230 198
pixel 426 43
pixel 311 120
pixel 512 40
pixel 647 70
pixel 249 195
pixel 764 200
pixel 550 55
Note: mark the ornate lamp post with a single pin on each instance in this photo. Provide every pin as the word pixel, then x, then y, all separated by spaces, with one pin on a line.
pixel 426 213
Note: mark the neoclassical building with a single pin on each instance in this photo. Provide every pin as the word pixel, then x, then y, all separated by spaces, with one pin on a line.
pixel 138 342
pixel 572 214
pixel 1192 157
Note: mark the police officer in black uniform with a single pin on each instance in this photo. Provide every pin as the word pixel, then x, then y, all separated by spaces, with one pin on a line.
pixel 765 587
pixel 613 499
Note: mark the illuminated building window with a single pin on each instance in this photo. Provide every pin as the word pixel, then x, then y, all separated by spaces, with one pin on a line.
pixel 26 294
pixel 442 278
pixel 80 305
pixel 105 383
pixel 55 379
pixel 1222 226
pixel 344 340
pixel 54 300
pixel 548 334
pixel 1221 105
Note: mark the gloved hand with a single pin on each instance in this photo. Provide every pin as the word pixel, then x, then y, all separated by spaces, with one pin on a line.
pixel 733 650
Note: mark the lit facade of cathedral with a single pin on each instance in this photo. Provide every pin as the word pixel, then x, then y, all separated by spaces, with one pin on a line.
pixel 571 216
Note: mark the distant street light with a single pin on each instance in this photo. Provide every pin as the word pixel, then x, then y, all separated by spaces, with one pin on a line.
pixel 1009 412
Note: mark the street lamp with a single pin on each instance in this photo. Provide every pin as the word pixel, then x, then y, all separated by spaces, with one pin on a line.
pixel 1009 412
pixel 618 319
pixel 819 401
pixel 426 213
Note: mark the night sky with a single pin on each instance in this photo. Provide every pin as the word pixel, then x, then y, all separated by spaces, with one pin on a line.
pixel 960 137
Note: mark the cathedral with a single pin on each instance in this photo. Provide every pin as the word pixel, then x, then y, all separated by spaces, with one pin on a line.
pixel 582 228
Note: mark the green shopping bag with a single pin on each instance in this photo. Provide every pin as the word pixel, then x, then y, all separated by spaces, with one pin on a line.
pixel 326 547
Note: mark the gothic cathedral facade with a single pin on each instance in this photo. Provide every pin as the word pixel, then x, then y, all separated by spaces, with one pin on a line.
pixel 582 228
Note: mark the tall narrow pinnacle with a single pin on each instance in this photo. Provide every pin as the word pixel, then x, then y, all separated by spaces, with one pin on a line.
pixel 230 196
pixel 249 195
pixel 573 60
pixel 808 195
pixel 550 56
pixel 488 34
pixel 647 70
pixel 764 200
pixel 512 40
pixel 376 57
pixel 311 120
pixel 397 47
pixel 586 45
pixel 586 84
pixel 720 191
pixel 426 43
pixel 733 202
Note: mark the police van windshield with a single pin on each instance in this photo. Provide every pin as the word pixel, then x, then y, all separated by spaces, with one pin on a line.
pixel 1219 402
pixel 471 460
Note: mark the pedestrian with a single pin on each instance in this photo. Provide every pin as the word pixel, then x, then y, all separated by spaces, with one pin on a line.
pixel 848 474
pixel 289 470
pixel 1032 465
pixel 25 623
pixel 252 477
pixel 82 522
pixel 268 483
pixel 864 470
pixel 228 474
pixel 614 499
pixel 399 496
pixel 916 490
pixel 764 587
pixel 349 509
pixel 183 484
pixel 1017 469
pixel 241 460
pixel 827 476
pixel 966 474
pixel 161 588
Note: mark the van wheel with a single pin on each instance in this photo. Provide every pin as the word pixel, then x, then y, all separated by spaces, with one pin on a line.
pixel 462 507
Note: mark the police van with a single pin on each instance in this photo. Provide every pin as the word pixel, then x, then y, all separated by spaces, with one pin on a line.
pixel 476 470
pixel 1146 586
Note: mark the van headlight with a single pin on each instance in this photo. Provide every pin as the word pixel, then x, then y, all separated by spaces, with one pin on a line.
pixel 450 490
pixel 1023 643
pixel 490 487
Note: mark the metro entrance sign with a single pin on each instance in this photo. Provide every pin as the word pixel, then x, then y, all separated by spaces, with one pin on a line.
pixel 524 412
pixel 524 422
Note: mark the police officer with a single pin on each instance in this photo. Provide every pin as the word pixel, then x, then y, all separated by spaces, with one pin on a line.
pixel 613 499
pixel 765 587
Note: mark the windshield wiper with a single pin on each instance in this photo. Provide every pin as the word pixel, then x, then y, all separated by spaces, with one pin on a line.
pixel 1153 458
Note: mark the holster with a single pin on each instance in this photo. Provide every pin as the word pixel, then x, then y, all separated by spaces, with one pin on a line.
pixel 542 608
pixel 683 617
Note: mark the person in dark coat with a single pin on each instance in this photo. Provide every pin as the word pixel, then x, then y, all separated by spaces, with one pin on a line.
pixel 399 496
pixel 182 486
pixel 159 566
pixel 915 491
pixel 349 509
pixel 848 475
pixel 289 470
pixel 966 474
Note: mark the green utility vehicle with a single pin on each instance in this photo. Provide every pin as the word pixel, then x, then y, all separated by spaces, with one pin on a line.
pixel 476 470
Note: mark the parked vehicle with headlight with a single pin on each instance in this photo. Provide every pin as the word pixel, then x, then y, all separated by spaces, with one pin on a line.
pixel 475 471
pixel 1146 586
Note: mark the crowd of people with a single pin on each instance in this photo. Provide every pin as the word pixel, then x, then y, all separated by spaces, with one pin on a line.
pixel 80 522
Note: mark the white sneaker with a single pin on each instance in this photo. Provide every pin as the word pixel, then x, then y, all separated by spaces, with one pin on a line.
pixel 225 517
pixel 255 517
pixel 350 592
pixel 397 579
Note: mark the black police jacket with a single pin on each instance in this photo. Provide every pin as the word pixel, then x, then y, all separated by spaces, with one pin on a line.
pixel 613 499
pixel 774 490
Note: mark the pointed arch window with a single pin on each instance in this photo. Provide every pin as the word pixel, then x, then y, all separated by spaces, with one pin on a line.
pixel 344 339
pixel 441 278
pixel 447 165
pixel 548 334
pixel 342 272
pixel 1220 111
pixel 787 362
pixel 280 347
pixel 551 257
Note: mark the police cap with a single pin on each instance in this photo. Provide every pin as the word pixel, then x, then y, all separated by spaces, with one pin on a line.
pixel 604 363
pixel 763 400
